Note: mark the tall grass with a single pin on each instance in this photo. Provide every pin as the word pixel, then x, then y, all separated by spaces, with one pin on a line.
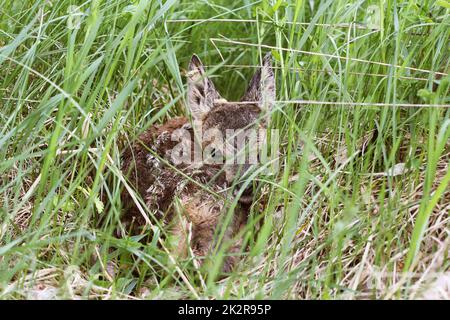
pixel 360 205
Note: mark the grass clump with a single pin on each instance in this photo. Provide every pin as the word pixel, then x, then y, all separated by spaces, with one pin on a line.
pixel 359 207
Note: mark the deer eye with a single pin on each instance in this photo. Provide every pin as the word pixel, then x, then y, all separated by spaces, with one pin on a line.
pixel 215 153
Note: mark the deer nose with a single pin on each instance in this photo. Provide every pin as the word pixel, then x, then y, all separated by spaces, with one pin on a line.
pixel 246 196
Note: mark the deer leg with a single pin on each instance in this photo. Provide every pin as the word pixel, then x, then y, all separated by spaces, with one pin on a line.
pixel 203 240
pixel 178 236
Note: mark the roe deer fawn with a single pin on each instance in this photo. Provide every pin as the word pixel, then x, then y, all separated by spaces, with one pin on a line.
pixel 193 214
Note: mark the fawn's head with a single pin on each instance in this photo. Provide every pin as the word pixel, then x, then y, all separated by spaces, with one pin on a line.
pixel 226 128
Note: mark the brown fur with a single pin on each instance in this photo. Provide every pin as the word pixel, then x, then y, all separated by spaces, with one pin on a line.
pixel 195 221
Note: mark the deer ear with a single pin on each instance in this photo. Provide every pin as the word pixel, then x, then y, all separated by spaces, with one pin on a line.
pixel 201 90
pixel 262 86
